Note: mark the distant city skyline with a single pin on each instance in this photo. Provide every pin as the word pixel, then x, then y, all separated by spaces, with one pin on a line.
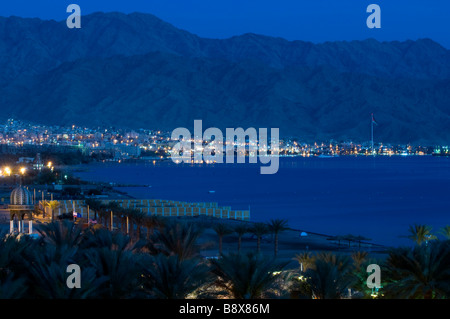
pixel 317 22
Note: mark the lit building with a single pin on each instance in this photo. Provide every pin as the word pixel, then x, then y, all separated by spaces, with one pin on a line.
pixel 21 206
pixel 37 164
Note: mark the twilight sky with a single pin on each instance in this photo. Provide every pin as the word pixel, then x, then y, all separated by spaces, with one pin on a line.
pixel 312 20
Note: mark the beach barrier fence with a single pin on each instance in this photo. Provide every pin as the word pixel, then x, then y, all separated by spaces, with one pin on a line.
pixel 164 208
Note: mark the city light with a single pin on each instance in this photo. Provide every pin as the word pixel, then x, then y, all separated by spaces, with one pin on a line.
pixel 114 145
pixel 7 171
pixel 23 170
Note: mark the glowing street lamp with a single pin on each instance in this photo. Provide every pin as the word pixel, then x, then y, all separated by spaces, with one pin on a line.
pixel 49 164
pixel 23 170
pixel 7 171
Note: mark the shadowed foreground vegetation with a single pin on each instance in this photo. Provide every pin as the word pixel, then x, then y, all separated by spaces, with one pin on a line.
pixel 167 265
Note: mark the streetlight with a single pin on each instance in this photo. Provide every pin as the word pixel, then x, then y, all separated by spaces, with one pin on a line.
pixel 7 171
pixel 23 170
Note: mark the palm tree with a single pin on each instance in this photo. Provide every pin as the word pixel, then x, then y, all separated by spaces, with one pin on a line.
pixel 341 261
pixel 326 281
pixel 170 277
pixel 330 277
pixel 151 222
pixel 446 231
pixel 37 210
pixel 121 219
pixel 46 273
pixel 52 204
pixel 42 204
pixel 121 271
pixel 13 252
pixel 137 218
pixel 259 230
pixel 420 234
pixel 421 272
pixel 360 261
pixel 306 260
pixel 359 257
pixel 247 276
pixel 94 205
pixel 177 239
pixel 103 213
pixel 221 231
pixel 61 234
pixel 240 230
pixel 113 209
pixel 276 226
pixel 103 238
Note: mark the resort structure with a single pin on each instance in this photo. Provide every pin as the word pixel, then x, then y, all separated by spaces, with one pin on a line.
pixel 158 207
pixel 21 206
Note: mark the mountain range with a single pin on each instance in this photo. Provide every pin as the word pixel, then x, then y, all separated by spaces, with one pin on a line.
pixel 137 71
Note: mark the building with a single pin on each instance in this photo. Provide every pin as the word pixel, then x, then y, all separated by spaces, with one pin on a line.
pixel 21 206
pixel 25 160
pixel 37 163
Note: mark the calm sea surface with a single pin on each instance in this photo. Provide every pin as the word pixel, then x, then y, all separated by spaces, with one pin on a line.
pixel 374 197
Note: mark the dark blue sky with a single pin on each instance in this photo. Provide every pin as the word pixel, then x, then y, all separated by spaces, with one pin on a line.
pixel 312 20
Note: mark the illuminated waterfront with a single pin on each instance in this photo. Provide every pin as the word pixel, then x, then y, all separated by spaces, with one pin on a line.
pixel 116 144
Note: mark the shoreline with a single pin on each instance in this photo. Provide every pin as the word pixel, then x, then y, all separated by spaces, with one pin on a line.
pixel 315 203
pixel 290 243
pixel 290 238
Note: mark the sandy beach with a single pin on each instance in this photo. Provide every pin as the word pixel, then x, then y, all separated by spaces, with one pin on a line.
pixel 290 243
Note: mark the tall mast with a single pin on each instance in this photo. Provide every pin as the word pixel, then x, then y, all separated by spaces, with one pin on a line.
pixel 371 125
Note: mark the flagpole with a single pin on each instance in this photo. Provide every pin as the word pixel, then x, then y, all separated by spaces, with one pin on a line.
pixel 371 124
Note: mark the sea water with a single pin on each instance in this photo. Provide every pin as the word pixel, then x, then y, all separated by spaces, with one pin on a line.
pixel 376 197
